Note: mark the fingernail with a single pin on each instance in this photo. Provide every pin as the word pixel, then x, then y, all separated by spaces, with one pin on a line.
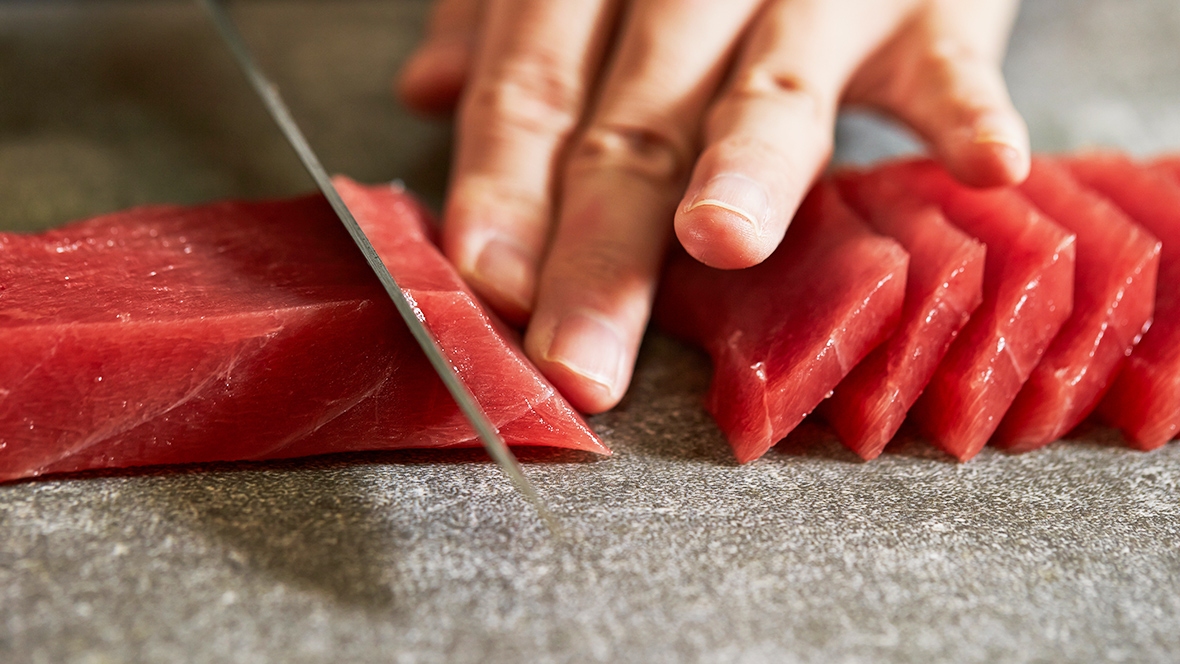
pixel 738 194
pixel 507 268
pixel 1000 140
pixel 998 131
pixel 1004 146
pixel 590 346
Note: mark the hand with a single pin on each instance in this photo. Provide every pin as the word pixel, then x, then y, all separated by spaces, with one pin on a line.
pixel 589 129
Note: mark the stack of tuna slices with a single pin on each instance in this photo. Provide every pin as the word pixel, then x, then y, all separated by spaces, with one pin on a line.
pixel 255 331
pixel 1019 312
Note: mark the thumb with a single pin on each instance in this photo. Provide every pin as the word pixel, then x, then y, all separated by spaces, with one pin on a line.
pixel 941 76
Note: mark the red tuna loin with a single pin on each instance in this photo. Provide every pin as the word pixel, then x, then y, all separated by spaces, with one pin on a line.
pixel 245 331
pixel 943 287
pixel 1144 401
pixel 782 334
pixel 1114 295
pixel 1027 296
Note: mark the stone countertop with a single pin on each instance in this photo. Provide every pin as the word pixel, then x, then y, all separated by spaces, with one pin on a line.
pixel 674 552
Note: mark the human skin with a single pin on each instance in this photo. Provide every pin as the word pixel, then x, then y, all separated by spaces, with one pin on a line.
pixel 589 131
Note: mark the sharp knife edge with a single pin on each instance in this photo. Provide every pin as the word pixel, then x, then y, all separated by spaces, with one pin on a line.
pixel 484 428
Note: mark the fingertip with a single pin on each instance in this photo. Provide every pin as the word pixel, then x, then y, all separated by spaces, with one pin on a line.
pixel 506 306
pixel 719 237
pixel 984 157
pixel 584 394
pixel 586 358
pixel 724 223
pixel 505 275
pixel 494 235
pixel 960 105
pixel 433 78
pixel 1000 163
pixel 500 271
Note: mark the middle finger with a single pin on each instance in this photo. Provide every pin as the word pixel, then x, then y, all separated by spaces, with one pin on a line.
pixel 622 180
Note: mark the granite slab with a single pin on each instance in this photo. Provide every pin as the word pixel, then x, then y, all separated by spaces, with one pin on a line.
pixel 673 552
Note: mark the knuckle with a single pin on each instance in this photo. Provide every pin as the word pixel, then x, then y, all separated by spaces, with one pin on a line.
pixel 788 89
pixel 749 148
pixel 947 62
pixel 532 93
pixel 954 81
pixel 807 152
pixel 951 53
pixel 653 154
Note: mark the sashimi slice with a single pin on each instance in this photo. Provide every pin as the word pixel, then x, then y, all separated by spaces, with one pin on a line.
pixel 1027 296
pixel 1144 401
pixel 1114 296
pixel 245 331
pixel 782 334
pixel 943 287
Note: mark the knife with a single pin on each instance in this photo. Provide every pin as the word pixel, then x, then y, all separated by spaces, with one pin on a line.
pixel 487 432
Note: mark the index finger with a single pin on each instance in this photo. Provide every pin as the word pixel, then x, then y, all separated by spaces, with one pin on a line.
pixel 771 130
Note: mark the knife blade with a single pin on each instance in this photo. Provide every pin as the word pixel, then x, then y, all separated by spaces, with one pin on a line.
pixel 268 92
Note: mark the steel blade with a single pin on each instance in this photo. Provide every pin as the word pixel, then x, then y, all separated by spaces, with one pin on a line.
pixel 471 409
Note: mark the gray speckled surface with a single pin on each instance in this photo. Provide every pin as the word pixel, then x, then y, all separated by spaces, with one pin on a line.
pixel 674 553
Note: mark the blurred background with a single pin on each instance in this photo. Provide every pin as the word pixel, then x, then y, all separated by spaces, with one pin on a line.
pixel 108 104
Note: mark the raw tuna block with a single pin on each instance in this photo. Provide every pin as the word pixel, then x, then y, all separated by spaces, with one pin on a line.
pixel 1144 401
pixel 1114 295
pixel 1027 296
pixel 245 331
pixel 782 334
pixel 943 287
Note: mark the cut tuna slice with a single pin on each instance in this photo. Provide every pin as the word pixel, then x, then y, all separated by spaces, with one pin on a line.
pixel 1144 401
pixel 943 287
pixel 782 334
pixel 1114 295
pixel 245 331
pixel 1027 296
